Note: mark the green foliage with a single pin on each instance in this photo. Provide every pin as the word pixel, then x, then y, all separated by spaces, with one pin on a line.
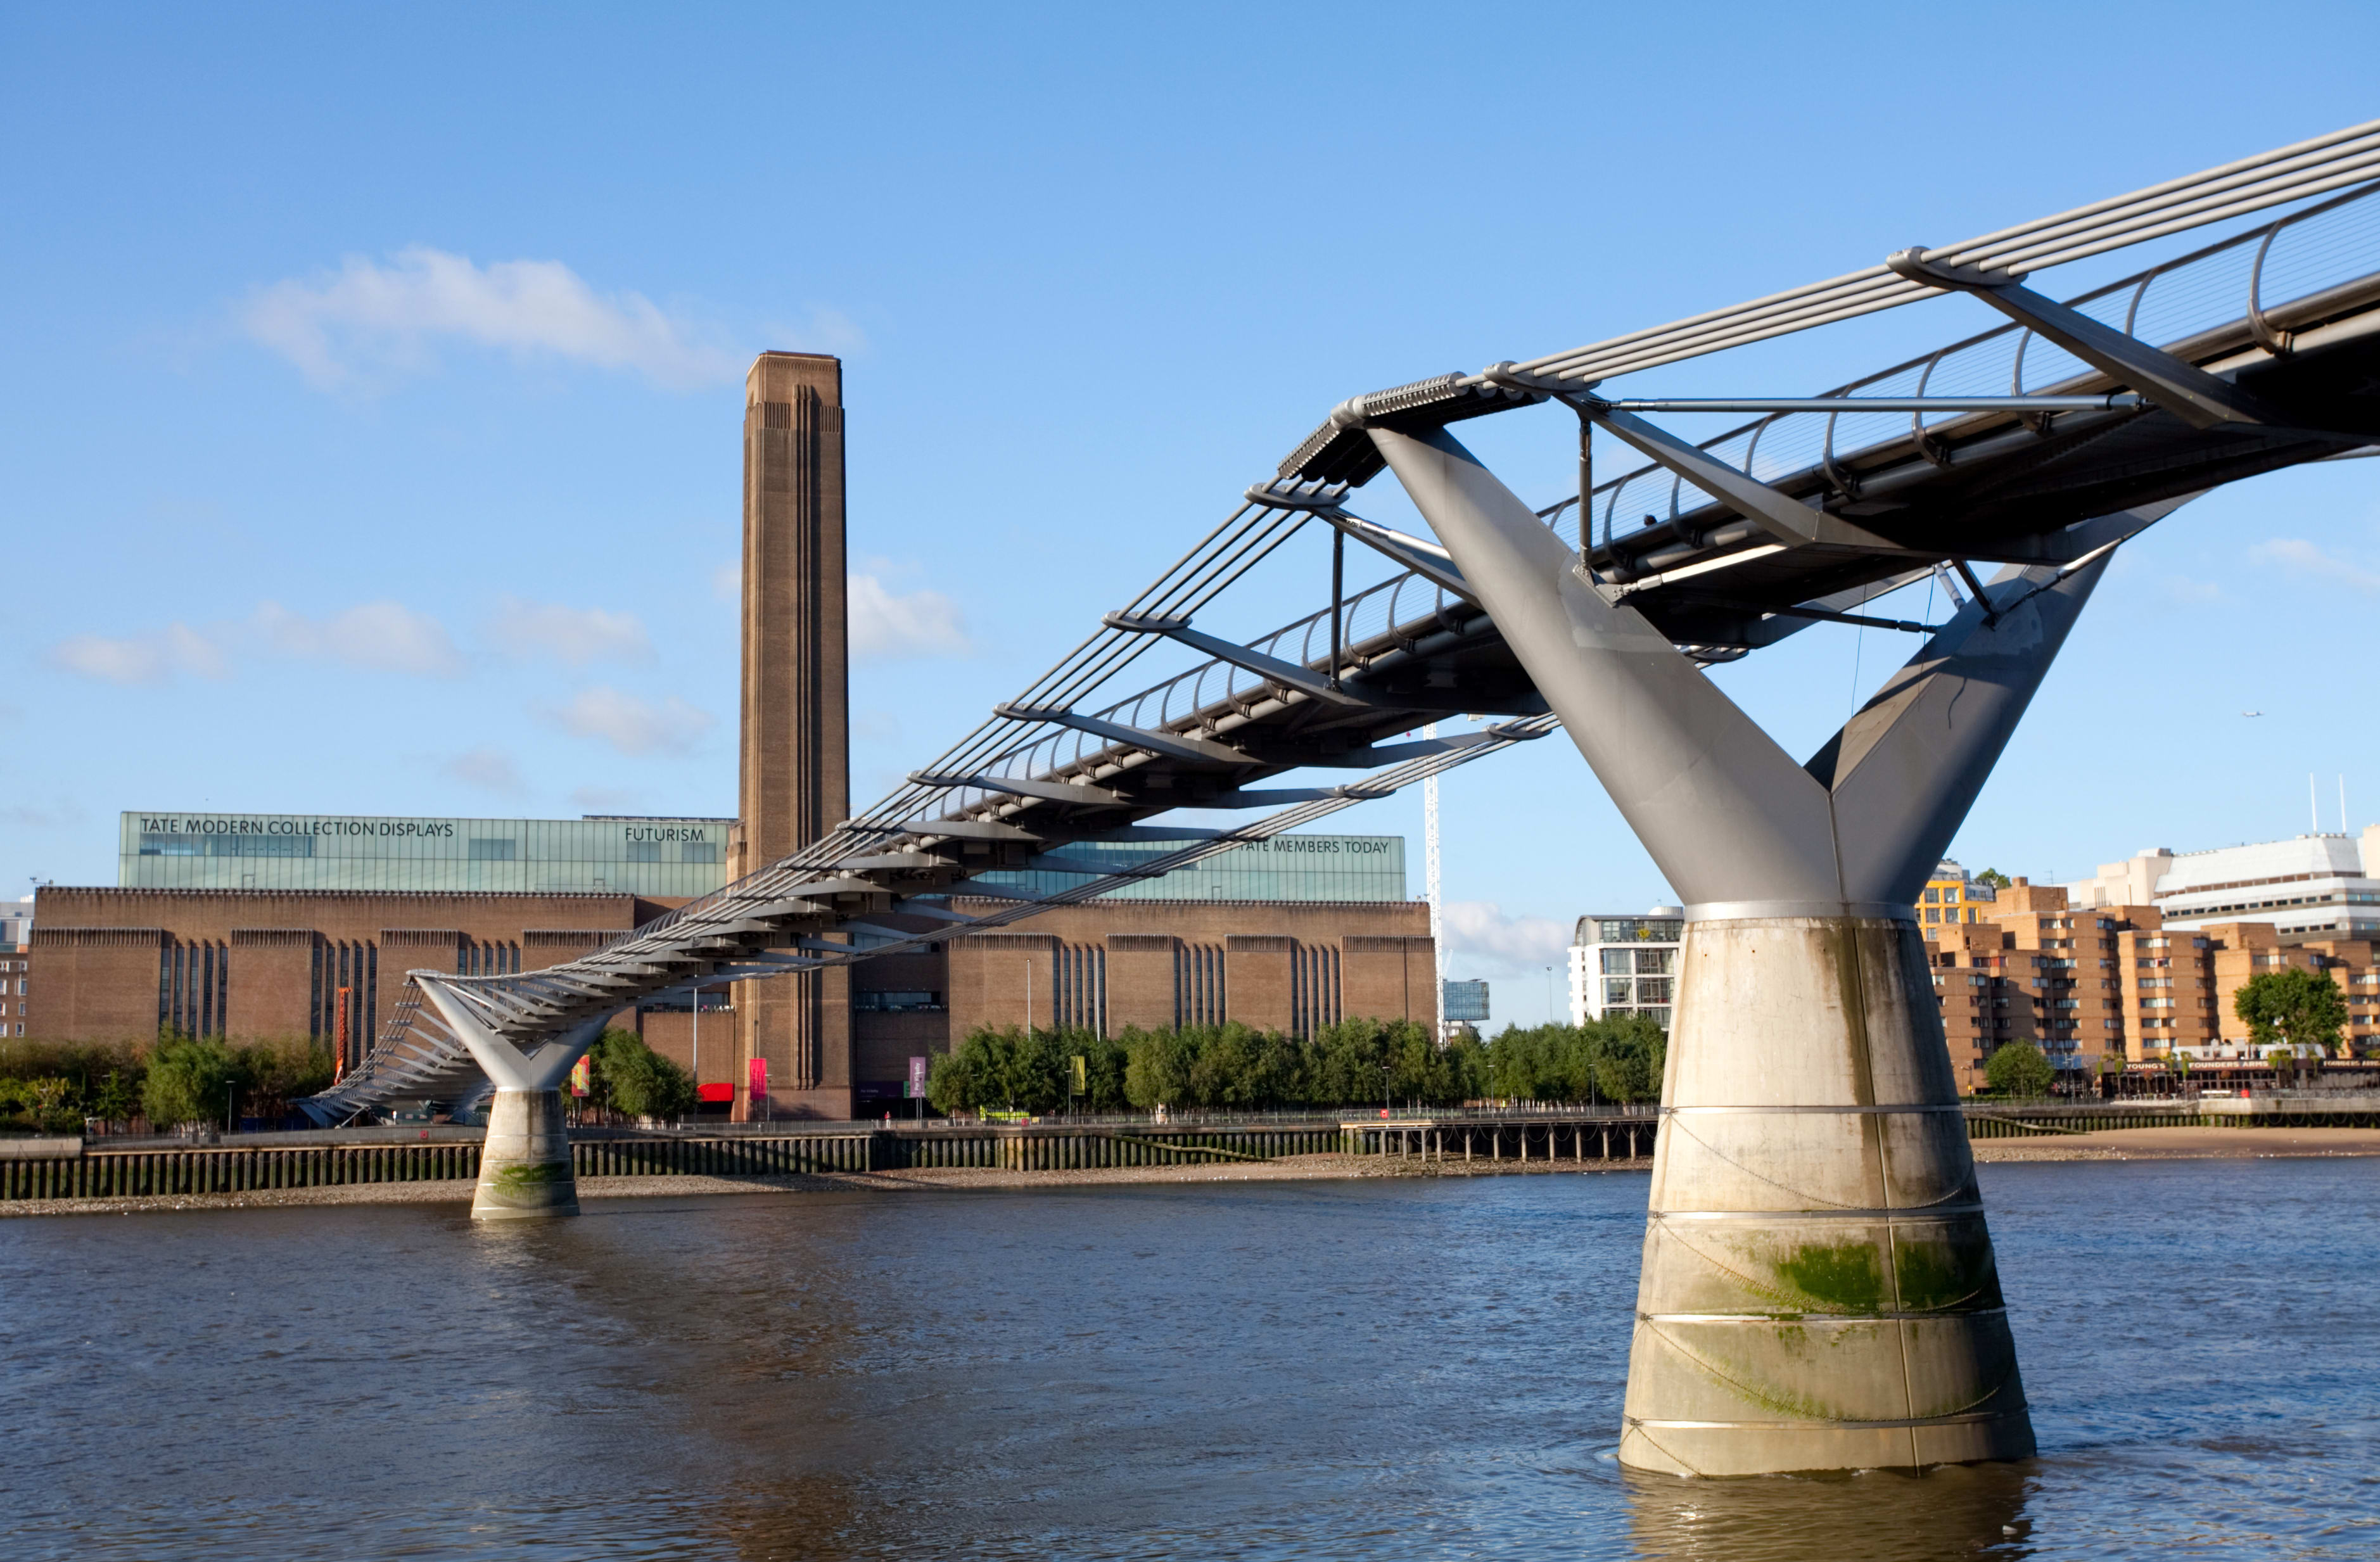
pixel 2291 1007
pixel 190 1080
pixel 1616 1060
pixel 1359 1062
pixel 1010 1070
pixel 631 1078
pixel 2019 1068
pixel 53 1088
pixel 1995 879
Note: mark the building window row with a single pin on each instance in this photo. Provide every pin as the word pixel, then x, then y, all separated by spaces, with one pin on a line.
pixel 1081 1000
pixel 193 983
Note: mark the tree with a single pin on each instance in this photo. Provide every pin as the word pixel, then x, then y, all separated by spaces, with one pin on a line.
pixel 1994 877
pixel 189 1081
pixel 633 1079
pixel 2292 1008
pixel 2018 1068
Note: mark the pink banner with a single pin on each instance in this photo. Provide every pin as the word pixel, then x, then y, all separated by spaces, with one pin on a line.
pixel 759 1078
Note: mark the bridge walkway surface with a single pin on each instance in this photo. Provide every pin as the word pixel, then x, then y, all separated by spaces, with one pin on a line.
pixel 2038 445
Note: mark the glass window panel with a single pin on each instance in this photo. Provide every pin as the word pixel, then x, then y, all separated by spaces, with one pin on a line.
pixel 1656 963
pixel 1617 990
pixel 1616 963
pixel 1653 989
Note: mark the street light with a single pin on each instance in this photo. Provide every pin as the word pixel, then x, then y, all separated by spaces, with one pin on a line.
pixel 229 1089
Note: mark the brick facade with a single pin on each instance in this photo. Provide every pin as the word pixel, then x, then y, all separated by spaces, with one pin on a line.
pixel 112 964
pixel 2114 979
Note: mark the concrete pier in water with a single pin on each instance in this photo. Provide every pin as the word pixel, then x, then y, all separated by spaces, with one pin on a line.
pixel 525 1162
pixel 1818 1290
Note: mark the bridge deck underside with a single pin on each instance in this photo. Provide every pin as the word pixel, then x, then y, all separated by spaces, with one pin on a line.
pixel 2001 488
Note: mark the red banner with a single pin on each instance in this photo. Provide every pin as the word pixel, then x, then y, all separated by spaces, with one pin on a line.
pixel 760 1080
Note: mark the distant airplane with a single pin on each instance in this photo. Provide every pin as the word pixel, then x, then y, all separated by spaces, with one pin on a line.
pixel 2252 713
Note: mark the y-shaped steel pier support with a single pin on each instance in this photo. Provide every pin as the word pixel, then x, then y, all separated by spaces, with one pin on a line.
pixel 524 1172
pixel 1818 1290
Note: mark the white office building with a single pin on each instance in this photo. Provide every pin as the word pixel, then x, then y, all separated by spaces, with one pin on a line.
pixel 1626 964
pixel 2309 886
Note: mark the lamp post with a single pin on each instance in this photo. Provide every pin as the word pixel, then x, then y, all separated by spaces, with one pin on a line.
pixel 230 1089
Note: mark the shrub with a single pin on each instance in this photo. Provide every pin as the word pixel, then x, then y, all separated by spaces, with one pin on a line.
pixel 189 1080
pixel 631 1078
pixel 2019 1068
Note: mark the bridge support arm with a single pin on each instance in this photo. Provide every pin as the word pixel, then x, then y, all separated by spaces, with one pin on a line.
pixel 2198 398
pixel 1810 1125
pixel 525 1170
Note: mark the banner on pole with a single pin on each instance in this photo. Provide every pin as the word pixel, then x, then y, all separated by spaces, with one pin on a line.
pixel 582 1075
pixel 917 1079
pixel 759 1079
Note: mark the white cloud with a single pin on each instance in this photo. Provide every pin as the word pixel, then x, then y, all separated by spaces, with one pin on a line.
pixel 634 725
pixel 886 623
pixel 572 636
pixel 368 314
pixel 383 636
pixel 1509 946
pixel 141 659
pixel 2295 552
pixel 491 769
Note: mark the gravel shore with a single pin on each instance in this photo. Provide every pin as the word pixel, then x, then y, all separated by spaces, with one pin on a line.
pixel 2136 1143
pixel 2184 1143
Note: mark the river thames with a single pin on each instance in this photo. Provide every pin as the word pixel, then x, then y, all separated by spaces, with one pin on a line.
pixel 1364 1369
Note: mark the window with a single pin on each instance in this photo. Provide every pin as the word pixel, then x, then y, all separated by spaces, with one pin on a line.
pixel 698 852
pixel 895 1002
pixel 486 851
pixel 1653 989
pixel 1618 962
pixel 1616 990
pixel 1656 963
pixel 644 850
pixel 260 845
pixel 1933 898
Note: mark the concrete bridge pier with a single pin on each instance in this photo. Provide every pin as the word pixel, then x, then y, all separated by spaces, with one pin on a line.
pixel 1818 1290
pixel 525 1170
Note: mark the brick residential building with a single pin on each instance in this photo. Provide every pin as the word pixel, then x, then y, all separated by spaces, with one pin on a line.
pixel 2086 982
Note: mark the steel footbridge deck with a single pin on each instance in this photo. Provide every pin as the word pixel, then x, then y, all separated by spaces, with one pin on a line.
pixel 2039 444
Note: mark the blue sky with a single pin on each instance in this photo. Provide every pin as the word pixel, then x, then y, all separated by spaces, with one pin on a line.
pixel 370 440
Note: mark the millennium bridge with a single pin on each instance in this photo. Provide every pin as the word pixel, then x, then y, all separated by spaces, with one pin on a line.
pixel 1818 1288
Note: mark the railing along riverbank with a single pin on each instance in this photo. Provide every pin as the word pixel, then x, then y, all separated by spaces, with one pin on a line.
pixel 124 1167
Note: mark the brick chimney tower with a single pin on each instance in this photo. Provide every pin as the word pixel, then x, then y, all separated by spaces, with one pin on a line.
pixel 795 773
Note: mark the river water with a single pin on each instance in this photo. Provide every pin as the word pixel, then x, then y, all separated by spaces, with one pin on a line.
pixel 1377 1369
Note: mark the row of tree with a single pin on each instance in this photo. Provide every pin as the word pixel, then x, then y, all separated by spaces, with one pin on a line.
pixel 1354 1063
pixel 179 1079
pixel 176 1079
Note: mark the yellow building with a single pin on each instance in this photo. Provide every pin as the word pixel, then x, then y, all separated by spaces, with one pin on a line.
pixel 1951 896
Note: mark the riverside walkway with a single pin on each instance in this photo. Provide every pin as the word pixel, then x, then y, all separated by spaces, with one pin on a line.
pixel 111 1167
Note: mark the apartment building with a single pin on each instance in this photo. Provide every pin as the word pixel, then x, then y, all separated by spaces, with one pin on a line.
pixel 2084 982
pixel 2314 885
pixel 1952 895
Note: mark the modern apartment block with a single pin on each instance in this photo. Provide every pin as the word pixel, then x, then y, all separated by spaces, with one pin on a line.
pixel 1952 896
pixel 1623 963
pixel 16 942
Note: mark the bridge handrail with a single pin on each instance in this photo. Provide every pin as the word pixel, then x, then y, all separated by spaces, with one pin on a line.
pixel 1253 531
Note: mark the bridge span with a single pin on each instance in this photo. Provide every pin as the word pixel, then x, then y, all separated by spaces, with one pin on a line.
pixel 1818 1287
